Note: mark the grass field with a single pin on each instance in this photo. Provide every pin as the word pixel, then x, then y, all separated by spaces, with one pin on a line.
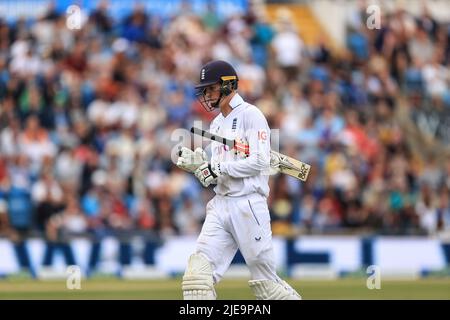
pixel 438 288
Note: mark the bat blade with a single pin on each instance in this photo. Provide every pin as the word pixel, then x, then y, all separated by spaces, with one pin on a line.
pixel 292 167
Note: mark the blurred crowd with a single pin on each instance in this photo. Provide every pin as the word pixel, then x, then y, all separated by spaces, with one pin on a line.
pixel 87 116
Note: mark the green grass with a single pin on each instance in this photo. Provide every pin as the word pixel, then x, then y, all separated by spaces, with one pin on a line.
pixel 430 288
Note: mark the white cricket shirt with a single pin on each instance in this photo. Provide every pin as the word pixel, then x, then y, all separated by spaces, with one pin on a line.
pixel 242 175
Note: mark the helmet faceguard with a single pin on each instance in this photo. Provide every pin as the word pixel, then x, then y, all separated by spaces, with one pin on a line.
pixel 216 72
pixel 207 103
pixel 227 85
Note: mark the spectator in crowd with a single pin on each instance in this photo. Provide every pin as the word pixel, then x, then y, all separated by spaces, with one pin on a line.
pixel 288 48
pixel 71 221
pixel 4 223
pixel 15 190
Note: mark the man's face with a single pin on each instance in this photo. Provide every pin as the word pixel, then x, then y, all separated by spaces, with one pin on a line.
pixel 212 92
pixel 209 96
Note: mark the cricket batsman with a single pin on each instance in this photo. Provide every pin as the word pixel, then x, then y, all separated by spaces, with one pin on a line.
pixel 238 216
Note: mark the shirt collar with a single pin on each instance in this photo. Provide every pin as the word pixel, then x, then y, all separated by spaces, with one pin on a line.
pixel 236 101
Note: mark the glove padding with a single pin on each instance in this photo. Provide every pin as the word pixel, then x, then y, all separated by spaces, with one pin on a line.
pixel 189 160
pixel 274 164
pixel 207 173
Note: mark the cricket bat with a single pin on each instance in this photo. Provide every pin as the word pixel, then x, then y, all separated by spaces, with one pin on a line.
pixel 287 165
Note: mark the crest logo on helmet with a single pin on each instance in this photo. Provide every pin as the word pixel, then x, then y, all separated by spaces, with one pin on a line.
pixel 202 76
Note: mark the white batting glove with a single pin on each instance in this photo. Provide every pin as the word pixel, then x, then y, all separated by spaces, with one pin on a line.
pixel 274 164
pixel 189 160
pixel 207 173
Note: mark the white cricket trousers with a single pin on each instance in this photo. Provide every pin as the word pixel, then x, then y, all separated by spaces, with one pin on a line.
pixel 238 222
